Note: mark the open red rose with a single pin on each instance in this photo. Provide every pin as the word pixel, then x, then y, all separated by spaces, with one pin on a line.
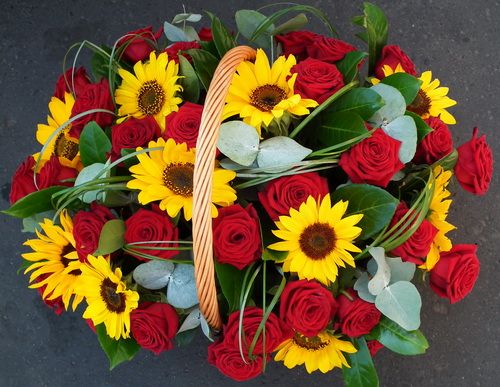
pixel 357 317
pixel 134 132
pixel 307 307
pixel 328 49
pixel 391 56
pixel 92 96
pixel 68 80
pixel 154 325
pixel 54 173
pixel 146 225
pixel 456 272
pixel 174 50
pixel 139 43
pixel 316 79
pixel 22 183
pixel 374 346
pixel 474 167
pixel 374 160
pixel 183 125
pixel 296 43
pixel 290 192
pixel 436 144
pixel 237 236
pixel 87 227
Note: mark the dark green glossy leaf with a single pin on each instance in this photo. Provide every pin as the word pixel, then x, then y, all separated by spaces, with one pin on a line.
pixel 422 128
pixel 348 66
pixel 99 64
pixel 406 84
pixel 186 337
pixel 190 83
pixel 361 100
pixel 362 372
pixel 398 339
pixel 376 204
pixel 334 128
pixel 112 237
pixel 223 40
pixel 274 255
pixel 247 21
pixel 447 162
pixel 376 27
pixel 117 351
pixel 294 24
pixel 231 281
pixel 204 64
pixel 34 203
pixel 94 144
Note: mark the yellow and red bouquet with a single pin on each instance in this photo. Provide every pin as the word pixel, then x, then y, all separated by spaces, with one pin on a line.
pixel 321 169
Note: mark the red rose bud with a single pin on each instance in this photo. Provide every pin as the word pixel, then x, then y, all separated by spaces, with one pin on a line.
pixel 296 43
pixel 183 125
pixel 357 317
pixel 133 133
pixel 418 245
pixel 146 225
pixel 374 160
pixel 237 236
pixel 374 346
pixel 70 81
pixel 328 49
pixel 456 272
pixel 392 55
pixel 87 227
pixel 22 183
pixel 474 167
pixel 205 34
pixel 173 51
pixel 229 362
pixel 316 79
pixel 92 96
pixel 139 43
pixel 290 192
pixel 154 325
pixel 307 307
pixel 436 145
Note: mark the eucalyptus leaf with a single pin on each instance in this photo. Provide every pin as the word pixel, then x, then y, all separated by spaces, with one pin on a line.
pixel 181 290
pixel 248 21
pixel 400 271
pixel 154 274
pixel 239 142
pixel 32 223
pixel 403 129
pixel 227 163
pixel 175 34
pixel 205 328
pixel 192 321
pixel 361 286
pixel 87 174
pixel 362 372
pixel 399 340
pixel 383 275
pixel 186 17
pixel 111 237
pixel 280 151
pixel 394 107
pixel 422 128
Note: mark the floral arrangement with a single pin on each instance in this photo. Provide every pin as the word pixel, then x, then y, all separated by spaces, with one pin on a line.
pixel 330 194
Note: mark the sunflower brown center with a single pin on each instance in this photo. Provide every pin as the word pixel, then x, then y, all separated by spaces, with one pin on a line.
pixel 114 301
pixel 310 343
pixel 317 240
pixel 267 97
pixel 421 104
pixel 178 177
pixel 151 98
pixel 64 147
pixel 66 261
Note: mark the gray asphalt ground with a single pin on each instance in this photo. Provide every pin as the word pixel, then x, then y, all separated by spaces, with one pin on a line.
pixel 458 39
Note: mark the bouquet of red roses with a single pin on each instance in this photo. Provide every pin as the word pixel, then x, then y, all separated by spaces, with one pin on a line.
pixel 278 188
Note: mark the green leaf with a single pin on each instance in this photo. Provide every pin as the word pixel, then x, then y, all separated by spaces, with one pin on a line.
pixel 247 21
pixel 190 83
pixel 333 128
pixel 394 105
pixel 34 203
pixel 376 204
pixel 117 351
pixel 398 339
pixel 376 26
pixel 362 372
pixel 348 66
pixel 231 281
pixel 274 255
pixel 361 100
pixel 112 237
pixel 186 17
pixel 294 24
pixel 176 34
pixel 94 144
pixel 32 223
pixel 99 64
pixel 407 85
pixel 205 65
pixel 447 162
pixel 186 337
pixel 223 40
pixel 422 128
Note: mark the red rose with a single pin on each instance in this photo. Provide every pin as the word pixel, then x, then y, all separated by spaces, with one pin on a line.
pixel 146 225
pixel 183 125
pixel 392 55
pixel 175 49
pixel 205 34
pixel 328 49
pixel 66 82
pixel 22 183
pixel 154 325
pixel 296 43
pixel 357 317
pixel 139 43
pixel 290 192
pixel 456 272
pixel 474 167
pixel 418 245
pixel 307 307
pixel 317 79
pixel 237 236
pixel 374 160
pixel 228 360
pixel 276 332
pixel 92 96
pixel 374 346
pixel 436 144
pixel 56 304
pixel 54 173
pixel 133 133
pixel 87 227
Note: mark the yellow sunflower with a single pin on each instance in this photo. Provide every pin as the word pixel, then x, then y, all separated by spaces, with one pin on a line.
pixel 63 145
pixel 109 301
pixel 167 176
pixel 260 93
pixel 318 239
pixel 388 70
pixel 150 91
pixel 438 212
pixel 55 261
pixel 322 352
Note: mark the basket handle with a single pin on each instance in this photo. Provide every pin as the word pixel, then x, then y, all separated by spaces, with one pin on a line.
pixel 202 187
